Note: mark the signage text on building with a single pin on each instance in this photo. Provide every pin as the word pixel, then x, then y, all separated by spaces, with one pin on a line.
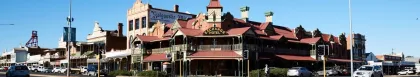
pixel 165 16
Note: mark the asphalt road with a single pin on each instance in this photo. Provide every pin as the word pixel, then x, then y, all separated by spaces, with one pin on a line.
pixel 38 74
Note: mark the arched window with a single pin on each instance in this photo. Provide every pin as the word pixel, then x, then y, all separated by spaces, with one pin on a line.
pixel 130 41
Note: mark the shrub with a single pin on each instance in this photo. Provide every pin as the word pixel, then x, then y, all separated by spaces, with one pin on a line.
pixel 274 72
pixel 152 74
pixel 278 72
pixel 120 73
pixel 254 73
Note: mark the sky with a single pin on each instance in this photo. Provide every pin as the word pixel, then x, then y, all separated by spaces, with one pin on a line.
pixel 387 24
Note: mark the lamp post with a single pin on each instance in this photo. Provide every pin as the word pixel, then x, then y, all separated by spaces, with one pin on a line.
pixel 69 20
pixel 351 41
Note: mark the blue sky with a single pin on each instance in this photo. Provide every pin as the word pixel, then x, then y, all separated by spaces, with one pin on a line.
pixel 387 24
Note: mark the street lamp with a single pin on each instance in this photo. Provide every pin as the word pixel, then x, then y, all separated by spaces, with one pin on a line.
pixel 69 20
pixel 351 40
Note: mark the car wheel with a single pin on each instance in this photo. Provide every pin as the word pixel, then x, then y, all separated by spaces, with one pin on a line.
pixel 372 75
pixel 381 75
pixel 27 76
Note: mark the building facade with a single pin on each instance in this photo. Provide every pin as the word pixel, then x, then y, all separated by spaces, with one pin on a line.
pixel 216 43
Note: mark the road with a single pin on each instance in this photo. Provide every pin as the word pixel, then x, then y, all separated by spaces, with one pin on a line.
pixel 37 74
pixel 386 76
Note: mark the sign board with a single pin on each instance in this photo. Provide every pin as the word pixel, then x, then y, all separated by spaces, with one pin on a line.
pixel 166 16
pixel 66 36
pixel 215 31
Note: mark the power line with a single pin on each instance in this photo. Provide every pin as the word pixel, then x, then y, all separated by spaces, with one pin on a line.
pixel 7 24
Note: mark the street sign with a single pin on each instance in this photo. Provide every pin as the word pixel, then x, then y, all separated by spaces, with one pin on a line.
pixel 66 36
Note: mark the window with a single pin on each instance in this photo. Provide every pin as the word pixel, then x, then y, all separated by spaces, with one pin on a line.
pixel 137 23
pixel 143 22
pixel 130 25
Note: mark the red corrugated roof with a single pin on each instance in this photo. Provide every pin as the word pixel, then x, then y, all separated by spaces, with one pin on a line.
pixel 277 37
pixel 296 58
pixel 326 37
pixel 222 53
pixel 214 4
pixel 342 60
pixel 191 32
pixel 151 38
pixel 285 33
pixel 263 25
pixel 168 33
pixel 156 57
pixel 238 31
pixel 182 23
pixel 310 40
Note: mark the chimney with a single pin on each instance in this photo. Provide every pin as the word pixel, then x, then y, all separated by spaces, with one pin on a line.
pixel 120 29
pixel 244 13
pixel 269 16
pixel 176 8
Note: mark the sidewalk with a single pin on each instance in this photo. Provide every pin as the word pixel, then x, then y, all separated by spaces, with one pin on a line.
pixel 40 75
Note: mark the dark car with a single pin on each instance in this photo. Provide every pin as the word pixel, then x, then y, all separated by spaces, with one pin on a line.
pixel 93 70
pixel 17 71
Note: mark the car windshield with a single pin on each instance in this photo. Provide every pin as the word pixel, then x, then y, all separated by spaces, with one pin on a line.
pixel 21 68
pixel 366 68
pixel 295 68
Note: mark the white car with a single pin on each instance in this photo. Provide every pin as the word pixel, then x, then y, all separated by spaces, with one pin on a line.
pixel 299 71
pixel 405 72
pixel 57 70
pixel 44 69
pixel 368 71
pixel 83 70
pixel 62 70
pixel 329 71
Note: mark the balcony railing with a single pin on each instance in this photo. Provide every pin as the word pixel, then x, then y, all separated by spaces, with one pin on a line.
pixel 159 50
pixel 220 47
pixel 180 47
pixel 57 56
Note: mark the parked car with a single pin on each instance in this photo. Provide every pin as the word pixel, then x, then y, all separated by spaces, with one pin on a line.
pixel 6 68
pixel 368 71
pixel 63 70
pixel 93 70
pixel 405 72
pixel 18 71
pixel 46 69
pixel 329 71
pixel 83 69
pixel 56 69
pixel 299 71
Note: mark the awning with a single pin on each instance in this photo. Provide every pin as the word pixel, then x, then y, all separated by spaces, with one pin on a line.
pixel 215 55
pixel 156 57
pixel 64 61
pixel 342 60
pixel 296 58
pixel 118 54
pixel 96 60
pixel 32 61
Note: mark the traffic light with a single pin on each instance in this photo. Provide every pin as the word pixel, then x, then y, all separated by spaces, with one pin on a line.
pixel 320 50
pixel 245 54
